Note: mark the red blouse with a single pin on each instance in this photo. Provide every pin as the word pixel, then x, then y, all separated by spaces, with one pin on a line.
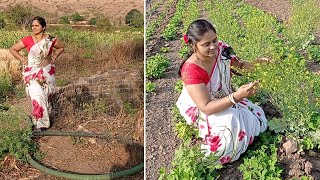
pixel 194 74
pixel 28 42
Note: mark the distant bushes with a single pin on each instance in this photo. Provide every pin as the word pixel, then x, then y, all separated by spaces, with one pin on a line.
pixel 134 18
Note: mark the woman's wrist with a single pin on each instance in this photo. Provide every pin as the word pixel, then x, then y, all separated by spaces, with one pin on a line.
pixel 23 60
pixel 236 97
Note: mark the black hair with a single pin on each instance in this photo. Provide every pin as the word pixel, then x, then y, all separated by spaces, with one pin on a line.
pixel 41 21
pixel 194 34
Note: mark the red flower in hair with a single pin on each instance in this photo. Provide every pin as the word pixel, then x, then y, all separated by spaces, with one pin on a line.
pixel 185 38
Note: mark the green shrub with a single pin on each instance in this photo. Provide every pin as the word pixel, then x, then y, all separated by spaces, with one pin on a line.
pixel 6 84
pixel 93 21
pixel 77 17
pixel 104 23
pixel 190 163
pixel 16 140
pixel 2 21
pixel 134 18
pixel 260 161
pixel 64 20
pixel 19 15
pixel 156 66
pixel 150 86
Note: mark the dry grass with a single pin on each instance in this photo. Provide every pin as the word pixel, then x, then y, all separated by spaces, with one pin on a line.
pixel 123 55
pixel 10 64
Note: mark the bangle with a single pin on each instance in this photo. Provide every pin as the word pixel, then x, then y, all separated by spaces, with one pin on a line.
pixel 231 98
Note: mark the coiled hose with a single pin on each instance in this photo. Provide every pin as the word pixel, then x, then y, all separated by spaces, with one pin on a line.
pixel 77 176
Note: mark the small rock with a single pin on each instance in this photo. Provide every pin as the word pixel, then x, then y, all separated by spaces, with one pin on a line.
pixel 92 140
pixel 307 167
pixel 79 128
pixel 290 147
pixel 312 153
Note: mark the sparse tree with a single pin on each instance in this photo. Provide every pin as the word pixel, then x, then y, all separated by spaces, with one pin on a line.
pixel 2 21
pixel 104 23
pixel 134 18
pixel 64 20
pixel 19 15
pixel 93 21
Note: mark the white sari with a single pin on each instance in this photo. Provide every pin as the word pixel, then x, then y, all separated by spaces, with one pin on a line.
pixel 40 82
pixel 226 134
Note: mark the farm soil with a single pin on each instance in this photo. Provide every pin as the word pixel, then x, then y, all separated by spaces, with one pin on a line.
pixel 87 155
pixel 161 141
pixel 84 155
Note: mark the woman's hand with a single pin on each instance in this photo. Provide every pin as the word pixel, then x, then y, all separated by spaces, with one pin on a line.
pixel 246 90
pixel 263 60
pixel 24 61
pixel 53 59
pixel 59 48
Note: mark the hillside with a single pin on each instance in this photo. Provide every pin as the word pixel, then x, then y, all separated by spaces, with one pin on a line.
pixel 115 10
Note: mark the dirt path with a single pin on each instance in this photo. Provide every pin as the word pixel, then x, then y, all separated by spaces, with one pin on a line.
pixel 161 141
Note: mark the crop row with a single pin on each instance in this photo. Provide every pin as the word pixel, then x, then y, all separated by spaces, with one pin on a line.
pixel 155 23
pixel 286 82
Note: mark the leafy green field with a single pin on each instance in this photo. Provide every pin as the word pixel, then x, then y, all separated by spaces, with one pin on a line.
pixel 286 82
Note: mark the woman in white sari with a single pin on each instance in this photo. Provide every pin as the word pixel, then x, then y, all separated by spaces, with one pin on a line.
pixel 227 121
pixel 39 69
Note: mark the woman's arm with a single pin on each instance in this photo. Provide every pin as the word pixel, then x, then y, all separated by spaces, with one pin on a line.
pixel 200 96
pixel 14 50
pixel 59 48
pixel 248 65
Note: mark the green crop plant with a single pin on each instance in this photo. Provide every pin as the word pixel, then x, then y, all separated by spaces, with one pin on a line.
pixel 190 163
pixel 260 161
pixel 15 134
pixel 156 66
pixel 302 24
pixel 150 86
pixel 171 30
